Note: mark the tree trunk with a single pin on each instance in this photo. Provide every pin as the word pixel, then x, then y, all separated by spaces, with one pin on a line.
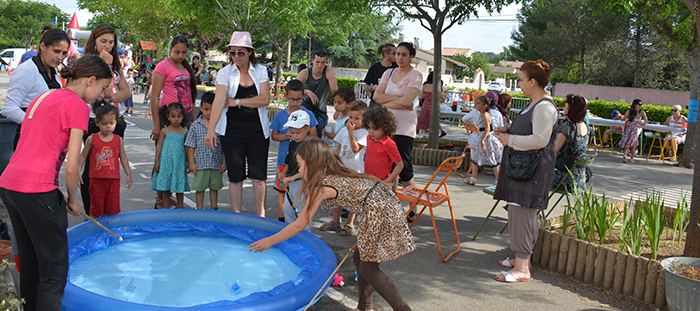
pixel 437 90
pixel 583 64
pixel 692 247
pixel 637 54
pixel 691 141
pixel 278 71
pixel 202 57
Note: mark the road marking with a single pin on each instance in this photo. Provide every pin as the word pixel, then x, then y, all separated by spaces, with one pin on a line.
pixel 189 202
pixel 143 176
pixel 348 302
pixel 139 164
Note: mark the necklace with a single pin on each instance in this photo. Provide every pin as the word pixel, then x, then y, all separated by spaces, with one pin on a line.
pixel 402 75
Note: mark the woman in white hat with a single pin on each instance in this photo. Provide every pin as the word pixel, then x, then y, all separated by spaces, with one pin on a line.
pixel 240 115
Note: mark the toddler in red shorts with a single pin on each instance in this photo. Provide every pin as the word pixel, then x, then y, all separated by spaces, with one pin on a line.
pixel 105 150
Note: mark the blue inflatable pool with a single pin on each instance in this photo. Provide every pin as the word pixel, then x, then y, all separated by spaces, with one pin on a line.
pixel 99 281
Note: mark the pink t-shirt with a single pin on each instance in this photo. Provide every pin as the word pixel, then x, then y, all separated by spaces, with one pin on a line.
pixel 405 119
pixel 176 85
pixel 43 141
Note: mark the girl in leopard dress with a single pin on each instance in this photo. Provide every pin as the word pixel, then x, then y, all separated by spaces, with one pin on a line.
pixel 382 235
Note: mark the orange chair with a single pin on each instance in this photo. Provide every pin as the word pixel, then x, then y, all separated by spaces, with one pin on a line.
pixel 434 198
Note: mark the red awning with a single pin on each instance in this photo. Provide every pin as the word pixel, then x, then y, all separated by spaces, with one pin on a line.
pixel 147 45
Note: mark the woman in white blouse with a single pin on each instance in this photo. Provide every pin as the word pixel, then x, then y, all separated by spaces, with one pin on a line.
pixel 240 115
pixel 32 78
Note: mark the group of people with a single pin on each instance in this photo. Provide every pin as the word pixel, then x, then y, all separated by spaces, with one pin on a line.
pixel 231 133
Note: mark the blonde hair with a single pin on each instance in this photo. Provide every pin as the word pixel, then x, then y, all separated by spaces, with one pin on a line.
pixel 320 161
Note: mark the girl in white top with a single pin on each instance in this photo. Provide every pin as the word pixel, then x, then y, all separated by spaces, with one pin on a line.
pixel 398 91
pixel 240 114
pixel 34 77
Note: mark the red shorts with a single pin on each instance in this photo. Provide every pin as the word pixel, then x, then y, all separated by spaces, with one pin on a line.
pixel 279 183
pixel 104 196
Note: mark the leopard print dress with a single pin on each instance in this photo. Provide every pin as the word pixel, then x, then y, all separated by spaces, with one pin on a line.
pixel 383 234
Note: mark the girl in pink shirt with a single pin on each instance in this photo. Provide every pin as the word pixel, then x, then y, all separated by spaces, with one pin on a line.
pixel 55 122
pixel 175 77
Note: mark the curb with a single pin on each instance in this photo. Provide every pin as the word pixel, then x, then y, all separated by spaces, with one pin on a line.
pixel 346 301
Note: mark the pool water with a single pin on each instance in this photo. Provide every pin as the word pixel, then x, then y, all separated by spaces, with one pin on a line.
pixel 181 271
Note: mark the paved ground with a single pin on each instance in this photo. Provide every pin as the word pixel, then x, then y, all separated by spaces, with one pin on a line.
pixel 466 281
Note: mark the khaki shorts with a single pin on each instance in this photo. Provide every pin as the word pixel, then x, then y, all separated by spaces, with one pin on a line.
pixel 212 179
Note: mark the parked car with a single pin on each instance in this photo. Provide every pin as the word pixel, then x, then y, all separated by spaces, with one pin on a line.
pixel 497 87
pixel 12 56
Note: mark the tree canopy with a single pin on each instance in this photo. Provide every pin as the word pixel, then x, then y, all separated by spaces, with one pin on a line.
pixel 22 22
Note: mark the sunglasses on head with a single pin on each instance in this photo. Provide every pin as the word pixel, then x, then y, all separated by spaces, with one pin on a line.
pixel 240 53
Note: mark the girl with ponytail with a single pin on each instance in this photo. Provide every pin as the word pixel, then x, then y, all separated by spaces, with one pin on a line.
pixel 175 78
pixel 52 130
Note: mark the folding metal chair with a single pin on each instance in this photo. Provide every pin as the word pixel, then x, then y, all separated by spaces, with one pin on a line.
pixel 434 198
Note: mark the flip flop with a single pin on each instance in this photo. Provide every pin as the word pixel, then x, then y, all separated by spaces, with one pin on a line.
pixel 509 278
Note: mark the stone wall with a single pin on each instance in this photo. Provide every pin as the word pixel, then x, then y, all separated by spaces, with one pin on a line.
pixel 615 93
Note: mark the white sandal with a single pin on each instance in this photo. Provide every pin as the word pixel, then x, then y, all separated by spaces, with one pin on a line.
pixel 506 263
pixel 469 181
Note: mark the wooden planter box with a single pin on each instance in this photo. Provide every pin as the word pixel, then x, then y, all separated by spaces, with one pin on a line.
pixel 606 268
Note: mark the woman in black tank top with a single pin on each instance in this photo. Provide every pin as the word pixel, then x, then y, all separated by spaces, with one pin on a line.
pixel 239 112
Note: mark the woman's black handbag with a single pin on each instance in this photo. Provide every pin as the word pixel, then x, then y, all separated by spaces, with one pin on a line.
pixel 521 165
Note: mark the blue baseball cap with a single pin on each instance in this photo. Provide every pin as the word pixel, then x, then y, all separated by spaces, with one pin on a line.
pixel 615 113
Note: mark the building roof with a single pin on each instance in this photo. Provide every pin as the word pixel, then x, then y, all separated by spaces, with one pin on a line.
pixel 456 51
pixel 443 57
pixel 515 64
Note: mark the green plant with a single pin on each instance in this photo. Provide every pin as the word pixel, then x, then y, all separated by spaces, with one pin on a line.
pixel 9 301
pixel 631 230
pixel 681 221
pixel 652 211
pixel 600 216
pixel 580 213
pixel 287 75
pixel 348 82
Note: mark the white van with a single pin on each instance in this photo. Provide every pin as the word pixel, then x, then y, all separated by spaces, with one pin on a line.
pixel 12 56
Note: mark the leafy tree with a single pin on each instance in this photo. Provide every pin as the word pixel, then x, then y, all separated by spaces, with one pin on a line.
pixel 563 31
pixel 437 17
pixel 360 48
pixel 22 21
pixel 678 22
pixel 474 62
pixel 153 19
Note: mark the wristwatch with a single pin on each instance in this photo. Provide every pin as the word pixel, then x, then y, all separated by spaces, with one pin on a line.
pixel 238 103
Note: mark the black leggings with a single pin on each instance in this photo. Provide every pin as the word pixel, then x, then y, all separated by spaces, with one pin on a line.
pixel 39 223
pixel 371 278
